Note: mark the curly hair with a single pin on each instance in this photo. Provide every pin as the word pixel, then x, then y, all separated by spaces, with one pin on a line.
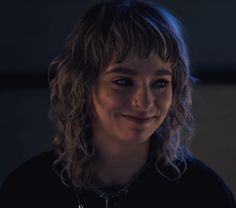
pixel 117 29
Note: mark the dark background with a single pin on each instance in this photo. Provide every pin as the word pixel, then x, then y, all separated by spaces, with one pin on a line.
pixel 33 33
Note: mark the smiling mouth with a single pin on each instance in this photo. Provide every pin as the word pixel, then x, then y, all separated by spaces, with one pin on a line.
pixel 138 120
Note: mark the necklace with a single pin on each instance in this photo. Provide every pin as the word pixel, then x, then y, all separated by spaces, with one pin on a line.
pixel 113 199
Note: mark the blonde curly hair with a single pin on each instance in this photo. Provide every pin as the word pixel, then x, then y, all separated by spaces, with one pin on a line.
pixel 121 29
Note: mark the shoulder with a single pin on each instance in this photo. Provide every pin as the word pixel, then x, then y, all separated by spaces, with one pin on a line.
pixel 198 186
pixel 201 180
pixel 197 169
pixel 34 180
pixel 36 167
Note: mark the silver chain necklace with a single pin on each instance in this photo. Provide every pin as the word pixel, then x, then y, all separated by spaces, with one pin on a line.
pixel 113 199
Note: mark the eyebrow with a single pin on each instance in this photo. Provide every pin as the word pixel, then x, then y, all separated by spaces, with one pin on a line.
pixel 130 71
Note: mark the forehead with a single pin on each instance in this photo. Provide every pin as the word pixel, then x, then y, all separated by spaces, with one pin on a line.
pixel 136 65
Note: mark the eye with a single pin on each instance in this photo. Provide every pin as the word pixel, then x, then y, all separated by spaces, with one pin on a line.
pixel 123 82
pixel 161 83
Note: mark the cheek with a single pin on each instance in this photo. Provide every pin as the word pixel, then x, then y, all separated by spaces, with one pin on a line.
pixel 115 99
pixel 164 100
pixel 168 99
pixel 107 98
pixel 98 100
pixel 115 95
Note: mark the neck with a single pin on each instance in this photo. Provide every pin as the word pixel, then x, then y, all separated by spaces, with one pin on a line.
pixel 118 164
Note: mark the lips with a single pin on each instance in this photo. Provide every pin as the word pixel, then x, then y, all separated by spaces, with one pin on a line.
pixel 138 120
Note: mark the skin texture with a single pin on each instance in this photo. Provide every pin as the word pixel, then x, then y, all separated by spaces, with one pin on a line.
pixel 131 100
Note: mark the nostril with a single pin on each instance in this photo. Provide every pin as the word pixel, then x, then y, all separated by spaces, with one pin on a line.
pixel 142 98
pixel 143 103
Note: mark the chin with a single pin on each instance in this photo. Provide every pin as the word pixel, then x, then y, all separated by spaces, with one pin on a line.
pixel 137 136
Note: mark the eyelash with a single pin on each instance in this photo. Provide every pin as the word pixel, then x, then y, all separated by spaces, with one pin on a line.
pixel 126 82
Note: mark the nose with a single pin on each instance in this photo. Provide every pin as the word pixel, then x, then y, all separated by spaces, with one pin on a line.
pixel 143 98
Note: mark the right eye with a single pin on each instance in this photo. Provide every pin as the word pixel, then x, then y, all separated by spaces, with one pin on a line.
pixel 125 82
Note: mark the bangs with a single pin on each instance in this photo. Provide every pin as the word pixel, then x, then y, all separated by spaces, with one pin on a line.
pixel 137 32
pixel 111 33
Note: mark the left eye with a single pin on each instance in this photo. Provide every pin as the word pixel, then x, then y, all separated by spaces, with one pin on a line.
pixel 160 83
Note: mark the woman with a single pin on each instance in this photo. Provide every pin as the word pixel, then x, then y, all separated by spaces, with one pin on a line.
pixel 120 100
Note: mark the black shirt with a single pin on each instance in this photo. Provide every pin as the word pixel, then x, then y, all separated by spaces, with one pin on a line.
pixel 35 184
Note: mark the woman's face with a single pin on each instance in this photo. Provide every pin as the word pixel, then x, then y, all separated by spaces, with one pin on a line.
pixel 131 100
